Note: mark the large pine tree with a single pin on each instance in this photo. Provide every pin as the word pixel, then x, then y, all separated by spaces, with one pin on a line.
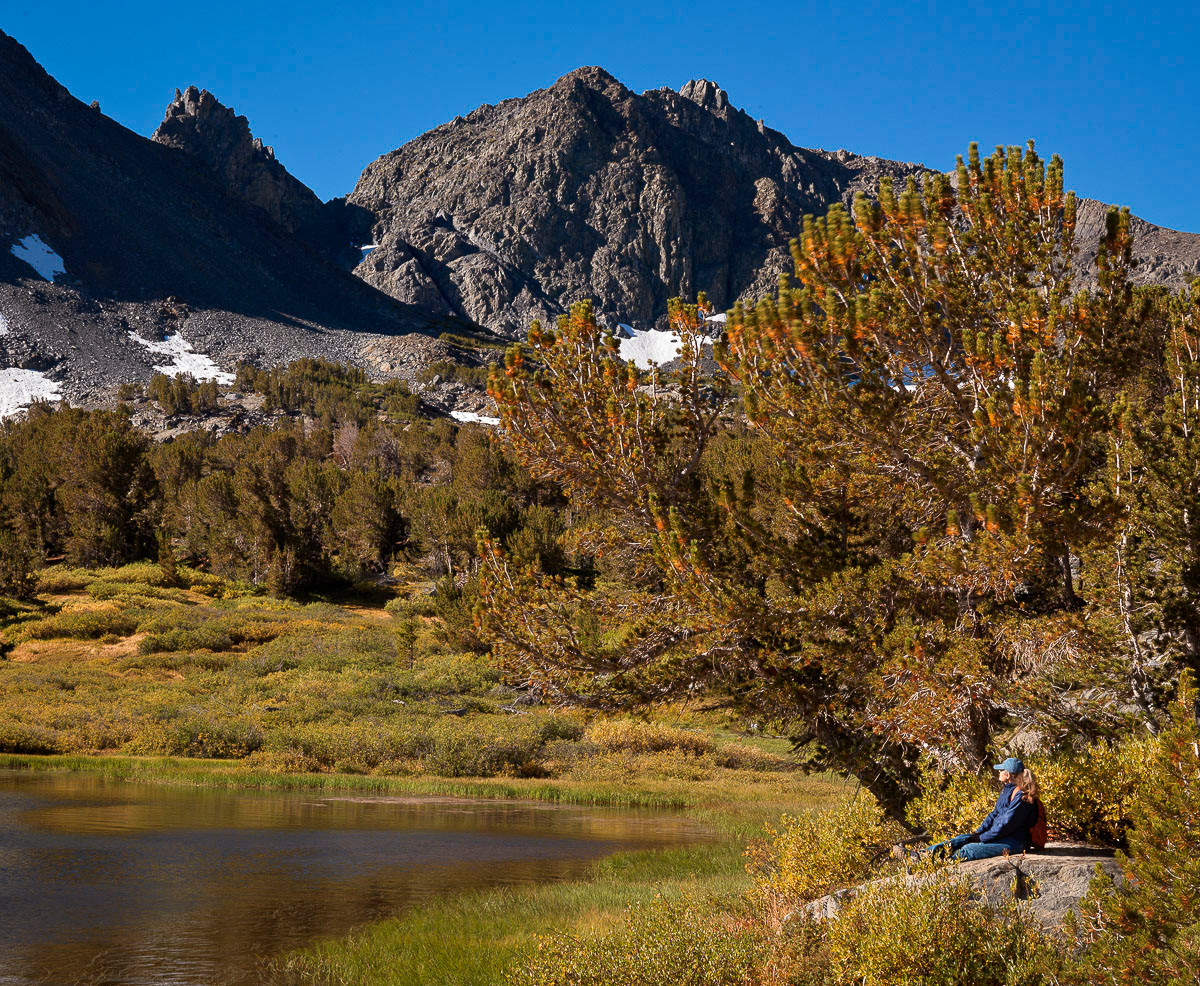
pixel 881 543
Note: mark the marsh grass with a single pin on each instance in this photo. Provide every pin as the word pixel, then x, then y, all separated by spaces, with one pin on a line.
pixel 739 802
pixel 477 938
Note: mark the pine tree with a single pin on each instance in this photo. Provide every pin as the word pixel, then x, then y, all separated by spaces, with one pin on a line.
pixel 887 555
pixel 362 522
pixel 166 559
pixel 18 566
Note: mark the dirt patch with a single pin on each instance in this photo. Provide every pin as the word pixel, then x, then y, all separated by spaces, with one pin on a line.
pixel 73 651
pixel 54 651
pixel 368 612
pixel 125 647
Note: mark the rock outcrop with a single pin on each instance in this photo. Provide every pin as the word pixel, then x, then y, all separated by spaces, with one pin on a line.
pixel 220 141
pixel 1048 882
pixel 589 190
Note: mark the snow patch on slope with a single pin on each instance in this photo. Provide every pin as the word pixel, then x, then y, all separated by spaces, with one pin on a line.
pixel 649 348
pixel 20 388
pixel 184 359
pixel 472 417
pixel 3 325
pixel 655 347
pixel 40 257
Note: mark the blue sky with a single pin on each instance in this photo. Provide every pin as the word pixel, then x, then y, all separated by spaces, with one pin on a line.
pixel 1111 87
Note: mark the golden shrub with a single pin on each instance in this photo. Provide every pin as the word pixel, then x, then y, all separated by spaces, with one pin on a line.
pixel 1091 795
pixel 935 934
pixel 23 737
pixel 951 804
pixel 635 736
pixel 812 854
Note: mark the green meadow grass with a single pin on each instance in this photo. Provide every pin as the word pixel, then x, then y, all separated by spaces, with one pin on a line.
pixel 473 939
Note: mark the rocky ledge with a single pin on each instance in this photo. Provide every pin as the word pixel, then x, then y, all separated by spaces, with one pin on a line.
pixel 1050 882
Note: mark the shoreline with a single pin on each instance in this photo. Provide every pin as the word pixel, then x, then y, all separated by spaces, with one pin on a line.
pixel 720 795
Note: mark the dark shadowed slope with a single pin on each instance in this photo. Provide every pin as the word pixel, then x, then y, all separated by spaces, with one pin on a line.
pixel 197 123
pixel 148 241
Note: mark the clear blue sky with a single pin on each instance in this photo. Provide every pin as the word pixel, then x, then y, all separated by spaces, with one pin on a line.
pixel 1111 87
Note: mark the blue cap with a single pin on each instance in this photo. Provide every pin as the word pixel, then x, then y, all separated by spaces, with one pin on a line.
pixel 1012 765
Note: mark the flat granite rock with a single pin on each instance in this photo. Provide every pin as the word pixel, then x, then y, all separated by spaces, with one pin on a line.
pixel 1050 882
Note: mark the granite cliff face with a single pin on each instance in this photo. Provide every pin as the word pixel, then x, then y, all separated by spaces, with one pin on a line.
pixel 220 141
pixel 589 190
pixel 1164 256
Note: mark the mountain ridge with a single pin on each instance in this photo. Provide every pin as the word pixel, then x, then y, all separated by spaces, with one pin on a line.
pixel 587 189
pixel 200 241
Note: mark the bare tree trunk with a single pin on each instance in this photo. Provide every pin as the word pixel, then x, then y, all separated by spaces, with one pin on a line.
pixel 1139 682
pixel 1070 599
pixel 882 768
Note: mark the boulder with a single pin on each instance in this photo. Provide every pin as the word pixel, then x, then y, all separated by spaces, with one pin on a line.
pixel 1049 882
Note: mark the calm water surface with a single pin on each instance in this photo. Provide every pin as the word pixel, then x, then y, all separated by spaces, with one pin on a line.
pixel 105 883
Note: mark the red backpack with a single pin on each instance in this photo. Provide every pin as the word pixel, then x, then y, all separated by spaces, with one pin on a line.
pixel 1037 834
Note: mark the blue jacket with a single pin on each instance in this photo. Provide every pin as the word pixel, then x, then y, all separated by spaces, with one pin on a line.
pixel 1010 821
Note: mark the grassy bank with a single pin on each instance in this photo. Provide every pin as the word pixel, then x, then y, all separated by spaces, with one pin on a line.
pixel 187 680
pixel 473 939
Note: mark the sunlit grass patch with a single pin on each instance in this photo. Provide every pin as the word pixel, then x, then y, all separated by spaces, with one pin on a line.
pixel 76 624
pixel 637 736
pixel 138 593
pixel 175 661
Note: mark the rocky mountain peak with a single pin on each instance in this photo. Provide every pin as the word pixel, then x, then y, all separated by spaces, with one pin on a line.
pixel 197 115
pixel 708 95
pixel 199 124
pixel 589 190
pixel 216 137
pixel 119 254
pixel 591 76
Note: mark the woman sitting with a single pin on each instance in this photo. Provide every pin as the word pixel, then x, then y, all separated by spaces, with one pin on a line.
pixel 1007 826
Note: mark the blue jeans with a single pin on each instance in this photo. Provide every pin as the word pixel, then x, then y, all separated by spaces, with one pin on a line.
pixel 962 847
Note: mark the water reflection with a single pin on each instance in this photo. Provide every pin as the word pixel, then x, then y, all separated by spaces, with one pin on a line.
pixel 105 883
